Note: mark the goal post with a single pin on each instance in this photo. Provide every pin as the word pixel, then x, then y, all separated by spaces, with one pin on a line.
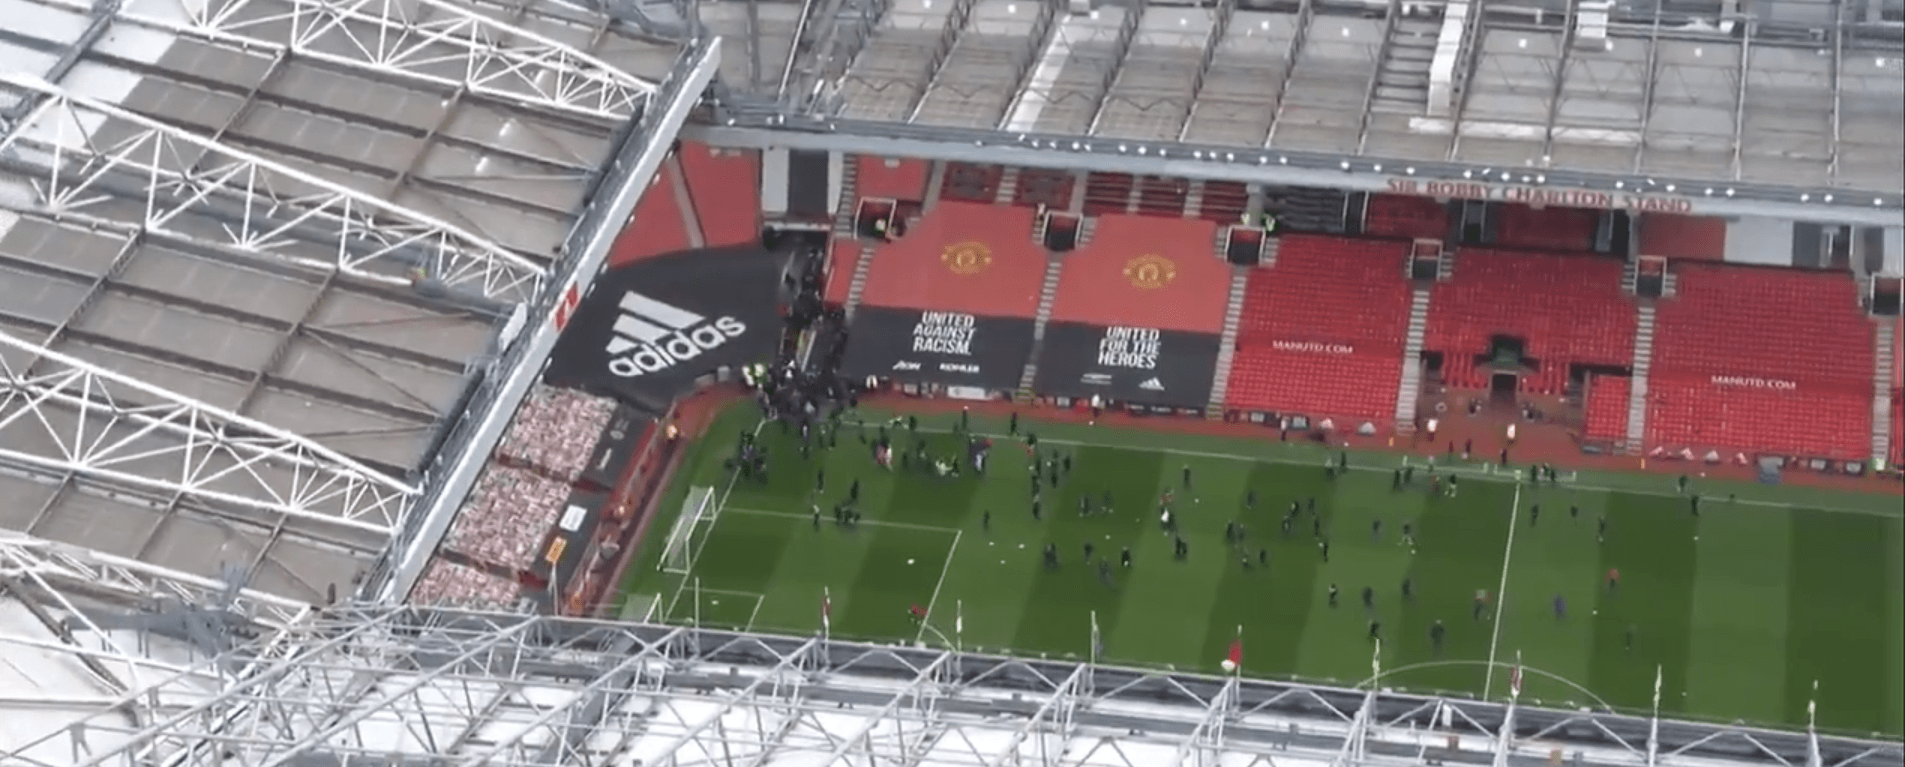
pixel 683 545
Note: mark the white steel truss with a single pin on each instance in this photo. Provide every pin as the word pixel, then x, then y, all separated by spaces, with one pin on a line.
pixel 404 685
pixel 59 574
pixel 65 415
pixel 443 43
pixel 90 160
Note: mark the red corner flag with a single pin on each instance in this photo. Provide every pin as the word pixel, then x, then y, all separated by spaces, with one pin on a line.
pixel 1235 658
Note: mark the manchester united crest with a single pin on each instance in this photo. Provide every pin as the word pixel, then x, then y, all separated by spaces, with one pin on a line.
pixel 1150 272
pixel 967 258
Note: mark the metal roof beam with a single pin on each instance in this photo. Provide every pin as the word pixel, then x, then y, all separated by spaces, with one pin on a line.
pixel 1127 37
pixel 178 179
pixel 1391 17
pixel 911 690
pixel 787 663
pixel 1739 98
pixel 1044 29
pixel 1219 30
pixel 1838 89
pixel 1299 34
pixel 1009 753
pixel 1572 25
pixel 1473 37
pixel 408 41
pixel 1648 89
pixel 1211 726
pixel 953 30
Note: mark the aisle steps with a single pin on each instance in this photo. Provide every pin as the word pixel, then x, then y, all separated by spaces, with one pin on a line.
pixel 1194 199
pixel 1882 390
pixel 1008 186
pixel 1409 390
pixel 1227 351
pixel 1047 296
pixel 1643 363
pixel 690 218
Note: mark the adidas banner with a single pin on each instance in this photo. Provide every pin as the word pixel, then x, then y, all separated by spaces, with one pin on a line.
pixel 646 331
pixel 1132 365
pixel 944 348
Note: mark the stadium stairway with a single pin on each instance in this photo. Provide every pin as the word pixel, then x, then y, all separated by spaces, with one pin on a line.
pixel 1637 390
pixel 844 231
pixel 1409 389
pixel 678 183
pixel 1227 350
pixel 1882 386
pixel 1047 296
pixel 1008 186
pixel 935 181
pixel 1270 245
pixel 1194 199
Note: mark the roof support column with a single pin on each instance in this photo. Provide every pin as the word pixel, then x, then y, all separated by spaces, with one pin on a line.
pixel 1219 29
pixel 1838 69
pixel 1560 78
pixel 1127 37
pixel 1391 17
pixel 954 28
pixel 1648 88
pixel 1209 732
pixel 1056 702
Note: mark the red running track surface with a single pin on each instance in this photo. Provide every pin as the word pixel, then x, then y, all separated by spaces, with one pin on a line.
pixel 1685 237
pixel 1146 272
pixel 657 226
pixel 1569 309
pixel 892 178
pixel 725 187
pixel 962 257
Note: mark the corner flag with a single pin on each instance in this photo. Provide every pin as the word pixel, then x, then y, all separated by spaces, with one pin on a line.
pixel 1514 680
pixel 826 612
pixel 1234 659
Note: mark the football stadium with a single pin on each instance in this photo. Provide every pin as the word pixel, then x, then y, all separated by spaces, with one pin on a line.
pixel 940 383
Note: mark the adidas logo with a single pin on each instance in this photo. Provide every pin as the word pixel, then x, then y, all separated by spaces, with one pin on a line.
pixel 1152 384
pixel 651 336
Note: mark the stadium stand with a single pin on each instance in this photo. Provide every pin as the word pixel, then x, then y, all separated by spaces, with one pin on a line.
pixel 843 258
pixel 505 518
pixel 971 183
pixel 1682 237
pixel 1225 201
pixel 1567 309
pixel 961 257
pixel 1606 410
pixel 892 178
pixel 1392 215
pixel 1125 277
pixel 1108 192
pixel 1762 359
pixel 1163 197
pixel 448 584
pixel 724 185
pixel 1323 330
pixel 1044 186
pixel 1565 229
pixel 657 227
pixel 556 431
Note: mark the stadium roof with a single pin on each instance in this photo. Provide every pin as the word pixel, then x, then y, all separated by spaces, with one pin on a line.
pixel 404 686
pixel 1765 107
pixel 252 252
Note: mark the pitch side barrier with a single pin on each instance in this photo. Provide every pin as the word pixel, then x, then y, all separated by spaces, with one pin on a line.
pixel 467 445
pixel 1259 716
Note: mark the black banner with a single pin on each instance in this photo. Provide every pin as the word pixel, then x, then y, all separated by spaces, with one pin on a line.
pixel 568 542
pixel 620 439
pixel 1125 364
pixel 945 348
pixel 648 330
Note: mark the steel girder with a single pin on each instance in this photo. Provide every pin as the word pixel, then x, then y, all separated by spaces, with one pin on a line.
pixel 445 44
pixel 401 685
pixel 59 574
pixel 87 157
pixel 63 414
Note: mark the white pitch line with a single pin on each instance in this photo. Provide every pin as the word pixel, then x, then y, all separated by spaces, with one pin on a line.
pixel 943 572
pixel 870 522
pixel 1501 593
pixel 759 599
pixel 1467 471
pixel 695 560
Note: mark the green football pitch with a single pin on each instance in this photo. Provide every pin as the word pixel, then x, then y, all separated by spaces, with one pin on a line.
pixel 1742 608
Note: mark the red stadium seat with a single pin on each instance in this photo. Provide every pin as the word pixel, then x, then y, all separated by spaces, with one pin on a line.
pixel 1568 309
pixel 1607 401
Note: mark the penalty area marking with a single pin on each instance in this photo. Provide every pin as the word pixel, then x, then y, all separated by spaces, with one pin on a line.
pixel 944 570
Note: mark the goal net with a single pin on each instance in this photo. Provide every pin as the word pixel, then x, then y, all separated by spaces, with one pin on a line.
pixel 691 528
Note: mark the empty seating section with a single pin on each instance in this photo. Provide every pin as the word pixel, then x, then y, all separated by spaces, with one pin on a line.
pixel 1107 193
pixel 505 519
pixel 971 183
pixel 1665 234
pixel 1043 186
pixel 1225 201
pixel 725 187
pixel 658 225
pixel 1606 411
pixel 1569 229
pixel 448 584
pixel 886 177
pixel 1162 196
pixel 1322 332
pixel 1392 215
pixel 555 431
pixel 1567 309
pixel 1751 358
pixel 1898 428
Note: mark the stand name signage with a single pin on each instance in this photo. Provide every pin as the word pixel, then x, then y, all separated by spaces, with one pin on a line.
pixel 1558 197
